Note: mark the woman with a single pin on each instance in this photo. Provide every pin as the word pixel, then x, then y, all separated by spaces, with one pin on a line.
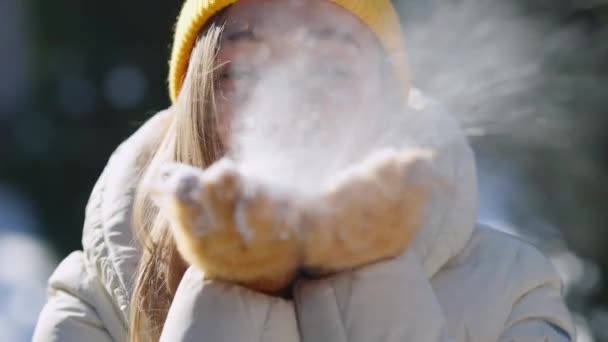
pixel 455 281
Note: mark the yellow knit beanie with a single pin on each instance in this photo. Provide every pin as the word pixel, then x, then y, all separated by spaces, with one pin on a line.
pixel 379 15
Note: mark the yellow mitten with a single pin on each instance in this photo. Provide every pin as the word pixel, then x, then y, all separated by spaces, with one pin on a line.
pixel 231 230
pixel 371 213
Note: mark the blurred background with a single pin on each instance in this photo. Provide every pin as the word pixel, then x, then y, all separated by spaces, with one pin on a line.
pixel 528 79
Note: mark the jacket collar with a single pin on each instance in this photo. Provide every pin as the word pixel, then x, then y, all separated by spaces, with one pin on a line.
pixel 451 215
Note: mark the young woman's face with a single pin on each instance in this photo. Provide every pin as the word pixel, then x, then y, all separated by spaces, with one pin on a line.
pixel 332 62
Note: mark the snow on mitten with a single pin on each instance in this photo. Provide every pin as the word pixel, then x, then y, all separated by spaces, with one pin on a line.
pixel 231 229
pixel 370 213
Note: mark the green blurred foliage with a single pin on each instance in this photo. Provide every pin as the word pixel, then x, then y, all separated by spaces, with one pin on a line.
pixel 57 154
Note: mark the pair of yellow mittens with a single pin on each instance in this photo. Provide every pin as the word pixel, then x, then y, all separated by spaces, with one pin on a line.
pixel 238 230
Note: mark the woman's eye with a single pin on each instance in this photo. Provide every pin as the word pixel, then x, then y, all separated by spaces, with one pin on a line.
pixel 224 75
pixel 239 75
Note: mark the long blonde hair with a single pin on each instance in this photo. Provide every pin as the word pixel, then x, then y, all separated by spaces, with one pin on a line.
pixel 190 136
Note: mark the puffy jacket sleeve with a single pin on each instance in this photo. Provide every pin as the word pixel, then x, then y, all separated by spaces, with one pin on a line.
pixel 71 311
pixel 391 301
pixel 539 312
pixel 210 311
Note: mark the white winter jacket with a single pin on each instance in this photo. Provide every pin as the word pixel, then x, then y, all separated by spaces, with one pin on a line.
pixel 458 281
